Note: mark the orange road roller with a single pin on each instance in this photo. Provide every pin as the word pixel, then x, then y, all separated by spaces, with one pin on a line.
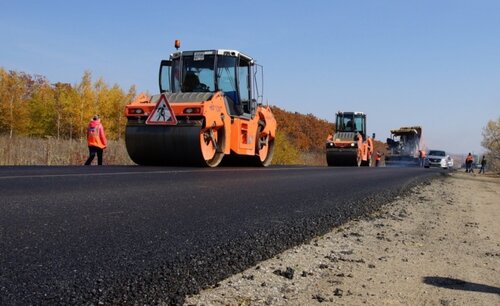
pixel 209 110
pixel 349 146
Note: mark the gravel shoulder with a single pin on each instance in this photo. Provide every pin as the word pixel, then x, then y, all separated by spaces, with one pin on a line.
pixel 438 246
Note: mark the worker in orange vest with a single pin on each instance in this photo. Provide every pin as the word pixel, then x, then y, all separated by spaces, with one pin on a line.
pixel 96 140
pixel 371 148
pixel 361 149
pixel 421 156
pixel 468 163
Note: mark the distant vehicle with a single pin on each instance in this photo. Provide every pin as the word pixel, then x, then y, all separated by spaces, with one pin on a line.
pixel 438 158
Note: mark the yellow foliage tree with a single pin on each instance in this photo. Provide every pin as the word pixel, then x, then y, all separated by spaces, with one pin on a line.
pixel 86 103
pixel 42 111
pixel 31 106
pixel 15 90
pixel 67 114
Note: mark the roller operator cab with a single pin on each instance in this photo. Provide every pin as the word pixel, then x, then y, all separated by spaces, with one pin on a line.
pixel 348 146
pixel 209 109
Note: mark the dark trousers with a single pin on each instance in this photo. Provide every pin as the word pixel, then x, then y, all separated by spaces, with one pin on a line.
pixel 468 167
pixel 92 152
pixel 482 169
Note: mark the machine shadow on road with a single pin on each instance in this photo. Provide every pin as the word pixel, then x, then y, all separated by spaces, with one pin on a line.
pixel 458 284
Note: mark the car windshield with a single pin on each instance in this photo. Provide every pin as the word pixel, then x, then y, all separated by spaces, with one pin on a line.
pixel 437 153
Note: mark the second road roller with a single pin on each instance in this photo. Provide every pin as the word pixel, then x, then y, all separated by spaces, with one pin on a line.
pixel 209 109
pixel 349 146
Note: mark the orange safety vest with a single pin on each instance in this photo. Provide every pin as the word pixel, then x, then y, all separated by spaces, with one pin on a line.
pixel 362 148
pixel 360 141
pixel 95 135
pixel 370 146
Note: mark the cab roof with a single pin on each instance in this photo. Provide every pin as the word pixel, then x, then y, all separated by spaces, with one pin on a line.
pixel 225 52
pixel 355 113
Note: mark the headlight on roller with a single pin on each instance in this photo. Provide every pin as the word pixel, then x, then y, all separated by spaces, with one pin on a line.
pixel 192 110
pixel 135 111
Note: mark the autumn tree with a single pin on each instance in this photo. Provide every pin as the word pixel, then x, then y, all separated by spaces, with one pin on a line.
pixel 285 152
pixel 491 142
pixel 305 133
pixel 32 106
pixel 42 110
pixel 15 91
pixel 4 100
pixel 109 100
pixel 121 120
pixel 86 103
pixel 66 112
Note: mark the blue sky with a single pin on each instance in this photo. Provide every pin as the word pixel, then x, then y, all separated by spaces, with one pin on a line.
pixel 429 63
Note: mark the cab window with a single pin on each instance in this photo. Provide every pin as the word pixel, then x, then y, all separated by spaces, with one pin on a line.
pixel 358 123
pixel 198 73
pixel 226 76
pixel 244 86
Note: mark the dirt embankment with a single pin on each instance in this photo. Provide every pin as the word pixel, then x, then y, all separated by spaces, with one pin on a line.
pixel 438 246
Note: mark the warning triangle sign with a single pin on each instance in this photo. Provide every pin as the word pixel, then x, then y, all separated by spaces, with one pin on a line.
pixel 162 113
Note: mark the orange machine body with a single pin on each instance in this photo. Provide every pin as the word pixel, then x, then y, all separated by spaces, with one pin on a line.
pixel 209 109
pixel 347 146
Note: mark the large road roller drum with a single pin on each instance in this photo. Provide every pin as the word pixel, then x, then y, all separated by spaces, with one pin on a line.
pixel 337 157
pixel 186 145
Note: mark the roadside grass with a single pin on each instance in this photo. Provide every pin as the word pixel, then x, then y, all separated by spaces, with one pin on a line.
pixel 51 151
pixel 316 158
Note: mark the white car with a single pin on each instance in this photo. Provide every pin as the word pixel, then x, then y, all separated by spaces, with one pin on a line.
pixel 438 158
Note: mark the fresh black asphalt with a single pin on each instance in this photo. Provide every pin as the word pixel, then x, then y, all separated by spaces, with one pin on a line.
pixel 146 235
